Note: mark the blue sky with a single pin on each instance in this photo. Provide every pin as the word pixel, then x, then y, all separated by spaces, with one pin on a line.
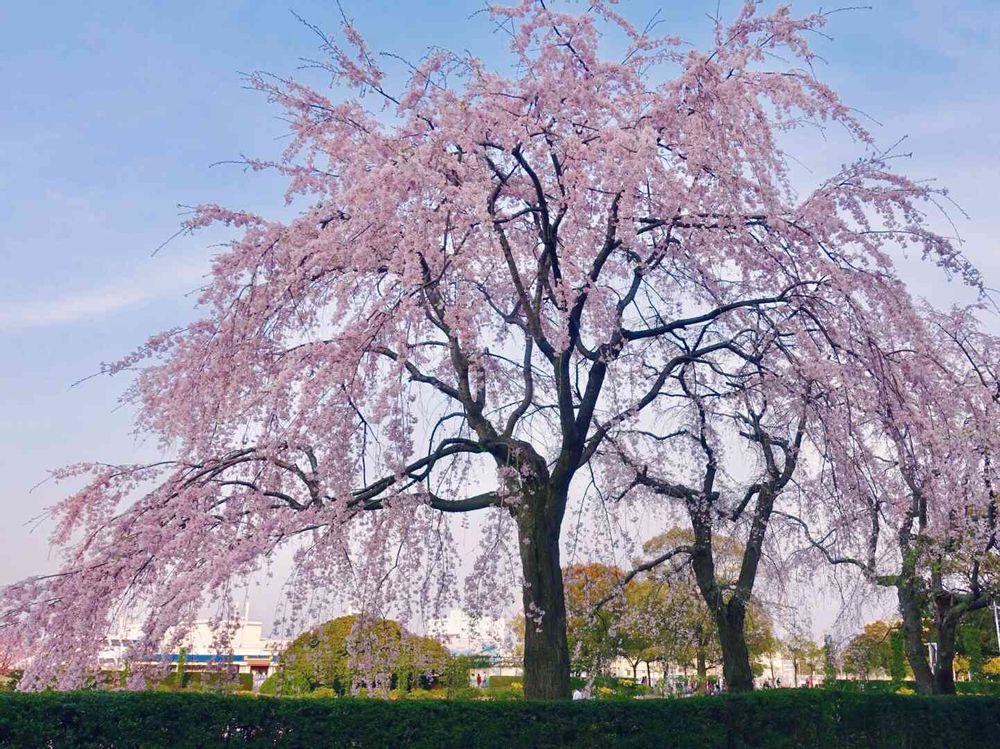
pixel 113 112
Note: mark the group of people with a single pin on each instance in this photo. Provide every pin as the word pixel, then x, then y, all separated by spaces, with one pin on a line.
pixel 776 683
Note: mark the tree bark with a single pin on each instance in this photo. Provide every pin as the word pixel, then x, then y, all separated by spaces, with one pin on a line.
pixel 736 670
pixel 729 616
pixel 546 652
pixel 947 629
pixel 910 611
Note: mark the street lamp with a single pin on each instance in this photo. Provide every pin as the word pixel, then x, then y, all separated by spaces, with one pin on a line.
pixel 996 621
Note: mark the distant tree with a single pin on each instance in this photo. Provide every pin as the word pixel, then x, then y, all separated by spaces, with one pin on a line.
pixel 897 662
pixel 662 616
pixel 910 501
pixel 869 653
pixel 594 632
pixel 688 624
pixel 829 660
pixel 803 651
pixel 515 636
pixel 395 658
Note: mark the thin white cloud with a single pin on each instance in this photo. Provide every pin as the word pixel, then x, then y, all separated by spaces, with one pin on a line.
pixel 77 306
pixel 33 313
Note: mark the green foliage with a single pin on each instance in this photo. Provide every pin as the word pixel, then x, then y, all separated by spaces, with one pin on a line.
pixel 829 661
pixel 595 635
pixel 870 652
pixel 686 631
pixel 286 684
pixel 778 719
pixel 972 644
pixel 456 676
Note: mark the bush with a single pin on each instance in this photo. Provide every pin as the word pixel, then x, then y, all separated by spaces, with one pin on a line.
pixel 208 681
pixel 778 719
pixel 286 683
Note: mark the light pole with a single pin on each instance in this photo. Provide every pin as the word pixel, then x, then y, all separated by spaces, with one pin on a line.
pixel 996 621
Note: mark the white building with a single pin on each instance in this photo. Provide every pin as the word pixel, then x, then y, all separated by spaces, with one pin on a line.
pixel 491 639
pixel 247 651
pixel 464 635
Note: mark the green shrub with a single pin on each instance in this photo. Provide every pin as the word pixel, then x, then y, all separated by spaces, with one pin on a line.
pixel 286 683
pixel 988 688
pixel 776 719
pixel 882 686
pixel 504 682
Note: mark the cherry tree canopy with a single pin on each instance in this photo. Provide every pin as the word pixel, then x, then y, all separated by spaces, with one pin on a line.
pixel 500 280
pixel 903 479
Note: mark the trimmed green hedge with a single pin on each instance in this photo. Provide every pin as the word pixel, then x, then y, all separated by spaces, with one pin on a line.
pixel 208 680
pixel 883 686
pixel 780 719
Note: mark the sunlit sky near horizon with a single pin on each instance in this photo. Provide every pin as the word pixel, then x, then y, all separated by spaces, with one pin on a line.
pixel 113 112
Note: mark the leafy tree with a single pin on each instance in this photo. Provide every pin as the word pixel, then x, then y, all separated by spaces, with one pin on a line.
pixel 286 683
pixel 394 658
pixel 661 617
pixel 870 652
pixel 689 631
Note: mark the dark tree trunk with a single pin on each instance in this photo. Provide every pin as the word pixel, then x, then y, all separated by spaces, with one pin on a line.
pixel 736 670
pixel 546 653
pixel 702 666
pixel 910 611
pixel 947 628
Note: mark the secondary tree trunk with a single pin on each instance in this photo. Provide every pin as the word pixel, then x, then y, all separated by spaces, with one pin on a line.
pixel 729 616
pixel 910 611
pixel 947 628
pixel 702 666
pixel 736 670
pixel 546 653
